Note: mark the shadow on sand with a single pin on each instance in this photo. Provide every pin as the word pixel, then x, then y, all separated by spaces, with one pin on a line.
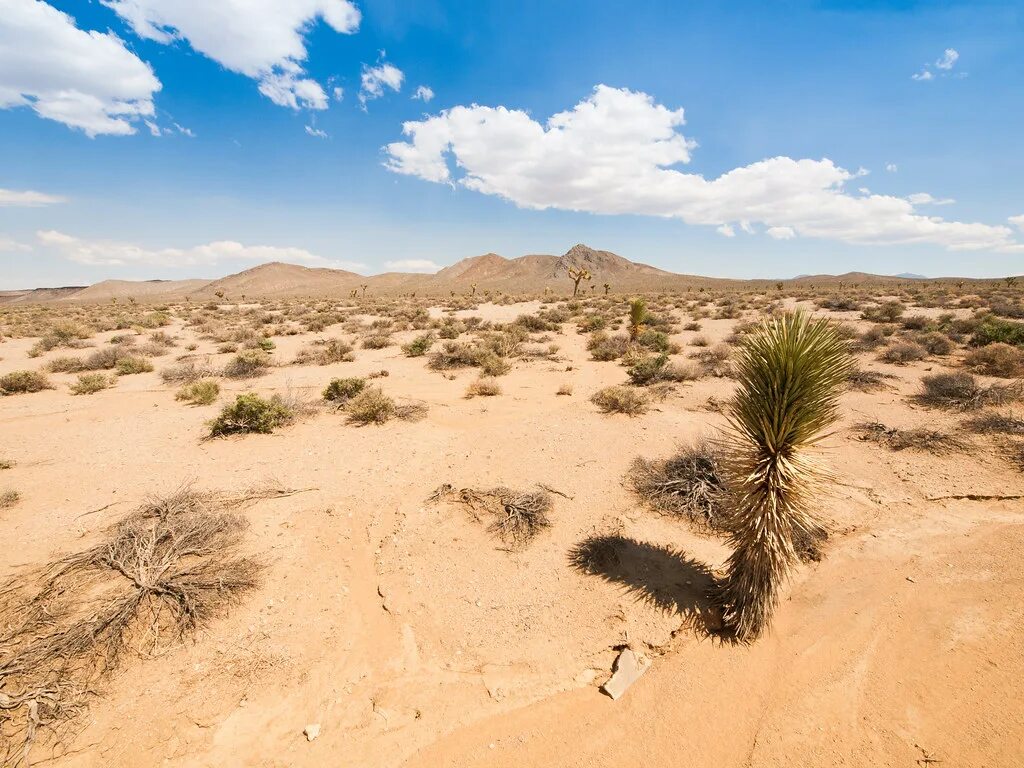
pixel 659 576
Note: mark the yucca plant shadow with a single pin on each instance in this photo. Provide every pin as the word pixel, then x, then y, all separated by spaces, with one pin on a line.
pixel 665 578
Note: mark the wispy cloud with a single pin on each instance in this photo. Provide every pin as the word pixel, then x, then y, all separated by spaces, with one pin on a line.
pixel 316 132
pixel 944 64
pixel 28 198
pixel 375 79
pixel 116 253
pixel 412 265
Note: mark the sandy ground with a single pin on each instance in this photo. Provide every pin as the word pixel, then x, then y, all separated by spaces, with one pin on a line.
pixel 412 639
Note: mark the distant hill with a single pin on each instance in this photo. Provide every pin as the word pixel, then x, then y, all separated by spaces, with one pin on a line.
pixel 488 272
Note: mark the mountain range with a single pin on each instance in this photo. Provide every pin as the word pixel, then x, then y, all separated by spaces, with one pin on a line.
pixel 489 272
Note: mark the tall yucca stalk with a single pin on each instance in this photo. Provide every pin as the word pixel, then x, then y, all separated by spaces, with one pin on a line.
pixel 638 317
pixel 790 371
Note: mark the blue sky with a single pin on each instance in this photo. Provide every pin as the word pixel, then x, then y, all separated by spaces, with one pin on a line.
pixel 793 112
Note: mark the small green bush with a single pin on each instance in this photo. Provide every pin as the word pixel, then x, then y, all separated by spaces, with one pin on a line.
pixel 340 391
pixel 419 346
pixel 19 382
pixel 993 330
pixel 251 413
pixel 202 392
pixel 90 383
pixel 247 364
pixel 132 364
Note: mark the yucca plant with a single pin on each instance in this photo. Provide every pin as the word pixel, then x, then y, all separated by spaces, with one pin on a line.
pixel 790 371
pixel 638 317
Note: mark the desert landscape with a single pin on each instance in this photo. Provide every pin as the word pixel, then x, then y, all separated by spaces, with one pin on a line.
pixel 493 516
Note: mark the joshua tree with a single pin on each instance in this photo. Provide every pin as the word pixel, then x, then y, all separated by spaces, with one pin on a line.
pixel 790 372
pixel 576 274
pixel 960 285
pixel 364 287
pixel 353 293
pixel 472 290
pixel 778 286
pixel 1010 281
pixel 607 287
pixel 638 317
pixel 219 294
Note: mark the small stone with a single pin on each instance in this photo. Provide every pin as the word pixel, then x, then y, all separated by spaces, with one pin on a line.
pixel 312 731
pixel 629 667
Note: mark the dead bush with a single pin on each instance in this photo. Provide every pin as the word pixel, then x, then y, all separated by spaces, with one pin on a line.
pixel 1003 360
pixel 962 391
pixel 516 516
pixel 621 400
pixel 917 439
pixel 688 484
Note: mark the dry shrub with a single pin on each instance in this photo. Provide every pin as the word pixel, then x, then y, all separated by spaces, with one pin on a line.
pixel 202 392
pixel 516 516
pixel 20 382
pixel 483 388
pixel 995 423
pixel 340 391
pixel 621 400
pixel 90 384
pixel 7 500
pixel 164 571
pixel 904 352
pixel 251 413
pixel 377 341
pixel 714 361
pixel 867 381
pixel 564 389
pixel 1002 360
pixel 961 391
pixel 247 364
pixel 132 364
pixel 372 406
pixel 604 348
pixel 917 439
pixel 688 484
pixel 652 369
pixel 187 371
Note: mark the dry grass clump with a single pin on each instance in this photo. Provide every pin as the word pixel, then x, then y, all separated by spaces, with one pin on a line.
pixel 714 361
pixel 372 406
pixel 483 388
pixel 1003 360
pixel 132 364
pixel 20 382
pixel 187 372
pixel 916 439
pixel 516 516
pixel 962 391
pixel 377 341
pixel 90 384
pixel 604 348
pixel 995 423
pixel 619 399
pixel 66 364
pixel 156 577
pixel 251 413
pixel 867 381
pixel 564 390
pixel 202 392
pixel 689 484
pixel 326 352
pixel 7 500
pixel 247 364
pixel 6 464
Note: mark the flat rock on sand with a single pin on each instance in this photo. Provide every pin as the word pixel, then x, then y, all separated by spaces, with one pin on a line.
pixel 629 667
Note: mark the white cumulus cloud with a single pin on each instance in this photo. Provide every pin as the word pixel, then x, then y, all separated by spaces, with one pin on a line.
pixel 424 93
pixel 923 198
pixel 261 39
pixel 27 198
pixel 412 265
pixel 948 60
pixel 1017 221
pixel 944 63
pixel 619 152
pixel 85 80
pixel 115 253
pixel 376 79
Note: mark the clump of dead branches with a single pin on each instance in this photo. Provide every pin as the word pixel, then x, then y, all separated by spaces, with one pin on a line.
pixel 155 577
pixel 689 483
pixel 516 517
pixel 916 439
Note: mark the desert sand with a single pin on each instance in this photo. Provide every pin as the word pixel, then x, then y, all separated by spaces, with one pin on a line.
pixel 410 636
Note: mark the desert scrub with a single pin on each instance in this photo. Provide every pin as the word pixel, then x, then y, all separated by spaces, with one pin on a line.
pixel 564 390
pixel 66 364
pixel 688 484
pixel 132 364
pixel 340 391
pixel 620 400
pixel 993 330
pixel 251 413
pixel 961 391
pixel 247 364
pixel 997 359
pixel 19 382
pixel 187 372
pixel 90 383
pixel 903 352
pixel 9 499
pixel 419 346
pixel 714 361
pixel 995 424
pixel 202 392
pixel 655 368
pixel 326 352
pixel 483 388
pixel 917 438
pixel 372 406
pixel 605 348
pixel 377 341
